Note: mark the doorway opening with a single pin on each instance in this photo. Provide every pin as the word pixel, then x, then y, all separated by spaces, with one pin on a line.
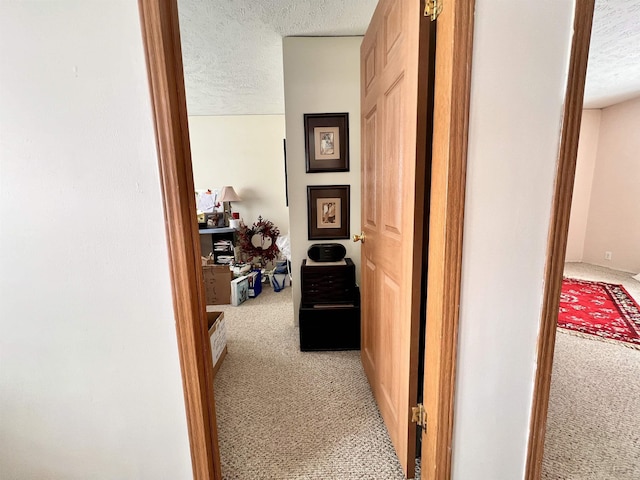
pixel 161 33
pixel 560 245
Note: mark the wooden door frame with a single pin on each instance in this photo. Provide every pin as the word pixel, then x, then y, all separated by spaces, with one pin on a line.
pixel 454 48
pixel 161 35
pixel 558 232
pixel 160 30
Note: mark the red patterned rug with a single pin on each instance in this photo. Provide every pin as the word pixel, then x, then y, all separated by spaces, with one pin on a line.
pixel 601 309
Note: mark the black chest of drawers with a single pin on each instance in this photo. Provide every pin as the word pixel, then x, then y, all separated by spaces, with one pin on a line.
pixel 330 307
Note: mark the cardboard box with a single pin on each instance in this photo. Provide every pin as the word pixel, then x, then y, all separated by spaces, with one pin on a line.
pixel 218 337
pixel 239 290
pixel 255 283
pixel 217 284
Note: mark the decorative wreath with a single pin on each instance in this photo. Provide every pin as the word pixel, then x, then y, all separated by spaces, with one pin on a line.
pixel 259 240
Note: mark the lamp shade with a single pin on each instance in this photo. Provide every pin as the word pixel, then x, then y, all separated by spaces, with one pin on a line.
pixel 228 194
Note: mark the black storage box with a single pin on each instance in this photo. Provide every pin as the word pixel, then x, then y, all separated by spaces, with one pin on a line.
pixel 330 307
pixel 330 328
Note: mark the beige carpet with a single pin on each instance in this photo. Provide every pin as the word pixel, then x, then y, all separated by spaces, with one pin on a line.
pixel 593 430
pixel 283 414
pixel 601 274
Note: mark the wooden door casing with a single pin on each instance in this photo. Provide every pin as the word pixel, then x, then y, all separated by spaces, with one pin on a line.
pixel 161 35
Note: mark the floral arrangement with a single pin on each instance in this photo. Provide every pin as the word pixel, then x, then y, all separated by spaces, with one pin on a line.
pixel 258 242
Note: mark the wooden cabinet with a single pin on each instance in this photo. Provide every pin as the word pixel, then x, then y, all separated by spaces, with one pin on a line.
pixel 328 284
pixel 330 307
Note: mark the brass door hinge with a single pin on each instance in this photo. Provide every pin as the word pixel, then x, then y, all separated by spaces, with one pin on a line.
pixel 432 8
pixel 419 416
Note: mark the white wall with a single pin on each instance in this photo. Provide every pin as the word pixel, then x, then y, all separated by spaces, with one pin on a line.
pixel 89 371
pixel 614 210
pixel 311 87
pixel 518 82
pixel 244 151
pixel 585 166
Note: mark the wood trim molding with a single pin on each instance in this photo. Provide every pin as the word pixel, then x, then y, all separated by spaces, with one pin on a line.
pixel 558 233
pixel 160 31
pixel 454 48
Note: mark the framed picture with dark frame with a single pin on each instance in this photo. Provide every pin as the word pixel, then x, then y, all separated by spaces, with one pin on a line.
pixel 326 141
pixel 328 211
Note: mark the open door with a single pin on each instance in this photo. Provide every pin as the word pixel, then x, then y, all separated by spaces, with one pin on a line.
pixel 395 70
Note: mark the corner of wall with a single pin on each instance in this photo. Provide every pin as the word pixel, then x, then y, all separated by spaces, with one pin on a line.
pixel 312 88
pixel 585 166
pixel 613 222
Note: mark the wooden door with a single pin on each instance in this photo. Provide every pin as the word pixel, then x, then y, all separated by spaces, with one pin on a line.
pixel 394 72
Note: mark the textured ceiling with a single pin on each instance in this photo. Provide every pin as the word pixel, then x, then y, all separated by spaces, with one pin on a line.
pixel 232 49
pixel 613 71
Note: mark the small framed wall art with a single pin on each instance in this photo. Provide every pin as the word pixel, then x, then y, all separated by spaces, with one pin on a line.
pixel 326 142
pixel 328 211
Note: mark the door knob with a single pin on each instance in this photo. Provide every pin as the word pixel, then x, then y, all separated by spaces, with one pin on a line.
pixel 359 238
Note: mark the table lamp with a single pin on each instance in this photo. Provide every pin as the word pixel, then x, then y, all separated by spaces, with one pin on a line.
pixel 228 195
